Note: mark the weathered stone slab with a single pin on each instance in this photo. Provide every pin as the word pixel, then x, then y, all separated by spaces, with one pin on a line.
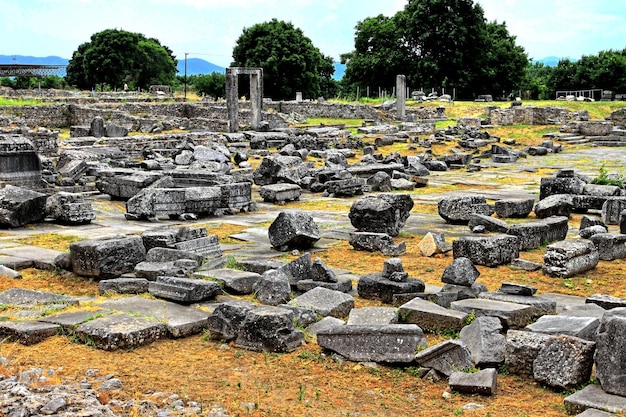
pixel 512 315
pixel 484 340
pixel 581 327
pixel 374 242
pixel 233 280
pixel 514 207
pixel 277 193
pixel 568 258
pixel 68 208
pixel 271 329
pixel 343 285
pixel 459 209
pixel 150 203
pixel 366 316
pixel 206 246
pixel 123 286
pixel 554 205
pixel 376 287
pixel 610 357
pixel 540 305
pixel 584 310
pixel 612 208
pixel 120 331
pixel 430 316
pixel 393 343
pixel 513 288
pixel 23 297
pixel 560 185
pixel 180 321
pixel 605 301
pixel 446 357
pixel 482 382
pixel 522 349
pixel 20 206
pixel 184 290
pixel 564 362
pixel 325 323
pixel 594 397
pixel 487 250
pixel 106 258
pixel 27 332
pixel 610 246
pixel 381 213
pixel 298 269
pixel 480 223
pixel 325 302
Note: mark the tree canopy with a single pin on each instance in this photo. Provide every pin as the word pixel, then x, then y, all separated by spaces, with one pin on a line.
pixel 117 57
pixel 436 44
pixel 289 60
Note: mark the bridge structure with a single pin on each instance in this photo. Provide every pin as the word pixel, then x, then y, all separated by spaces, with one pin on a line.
pixel 31 70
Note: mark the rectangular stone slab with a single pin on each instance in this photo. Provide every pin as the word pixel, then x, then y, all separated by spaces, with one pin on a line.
pixel 593 396
pixel 512 315
pixel 120 331
pixel 430 316
pixel 27 332
pixel 181 321
pixel 395 343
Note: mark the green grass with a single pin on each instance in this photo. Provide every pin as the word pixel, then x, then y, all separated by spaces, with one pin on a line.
pixel 5 101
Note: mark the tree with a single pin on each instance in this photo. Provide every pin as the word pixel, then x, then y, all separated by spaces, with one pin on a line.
pixel 289 60
pixel 503 63
pixel 535 83
pixel 116 57
pixel 213 85
pixel 562 77
pixel 436 43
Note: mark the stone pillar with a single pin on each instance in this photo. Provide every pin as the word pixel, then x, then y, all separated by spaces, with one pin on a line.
pixel 298 96
pixel 232 98
pixel 256 96
pixel 401 97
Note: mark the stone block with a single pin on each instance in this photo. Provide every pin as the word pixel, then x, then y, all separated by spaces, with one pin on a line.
pixel 184 290
pixel 232 280
pixel 554 205
pixel 564 362
pixel 293 230
pixel 594 397
pixel 568 258
pixel 581 327
pixel 366 316
pixel 325 302
pixel 540 305
pixel 460 272
pixel 224 323
pixel 610 356
pixel 512 315
pixel 277 193
pixel 376 287
pixel 482 382
pixel 514 207
pixel 430 316
pixel 605 301
pixel 207 246
pixel 459 209
pixel 120 331
pixel 381 213
pixel 522 349
pixel 612 209
pixel 446 357
pixel 610 246
pixel 484 339
pixel 269 329
pixel 487 250
pixel 123 286
pixel 21 206
pixel 108 258
pixel 376 242
pixel 434 243
pixel 393 343
pixel 27 332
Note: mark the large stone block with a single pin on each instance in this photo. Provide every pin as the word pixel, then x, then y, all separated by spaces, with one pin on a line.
pixel 430 316
pixel 20 206
pixel 485 341
pixel 568 258
pixel 610 356
pixel 459 209
pixel 120 331
pixel 395 343
pixel 325 302
pixel 269 329
pixel 106 258
pixel 487 250
pixel 293 230
pixel 381 213
pixel 564 362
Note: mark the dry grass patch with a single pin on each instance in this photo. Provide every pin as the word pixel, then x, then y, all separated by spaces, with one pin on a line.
pixel 51 281
pixel 55 241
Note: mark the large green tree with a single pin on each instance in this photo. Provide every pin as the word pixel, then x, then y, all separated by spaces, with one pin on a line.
pixel 117 57
pixel 289 60
pixel 436 43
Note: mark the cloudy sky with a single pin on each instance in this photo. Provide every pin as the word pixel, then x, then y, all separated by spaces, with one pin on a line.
pixel 208 29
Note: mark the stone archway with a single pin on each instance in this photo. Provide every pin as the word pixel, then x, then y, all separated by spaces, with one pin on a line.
pixel 232 96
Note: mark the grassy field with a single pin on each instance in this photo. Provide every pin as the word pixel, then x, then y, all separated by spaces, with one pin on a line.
pixel 309 381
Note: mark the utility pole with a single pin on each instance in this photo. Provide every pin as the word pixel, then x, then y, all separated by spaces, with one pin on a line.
pixel 186 53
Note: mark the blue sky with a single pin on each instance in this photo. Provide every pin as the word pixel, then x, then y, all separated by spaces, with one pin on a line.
pixel 208 29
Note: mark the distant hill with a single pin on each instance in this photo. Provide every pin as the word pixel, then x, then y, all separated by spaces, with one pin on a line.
pixel 197 66
pixel 21 59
